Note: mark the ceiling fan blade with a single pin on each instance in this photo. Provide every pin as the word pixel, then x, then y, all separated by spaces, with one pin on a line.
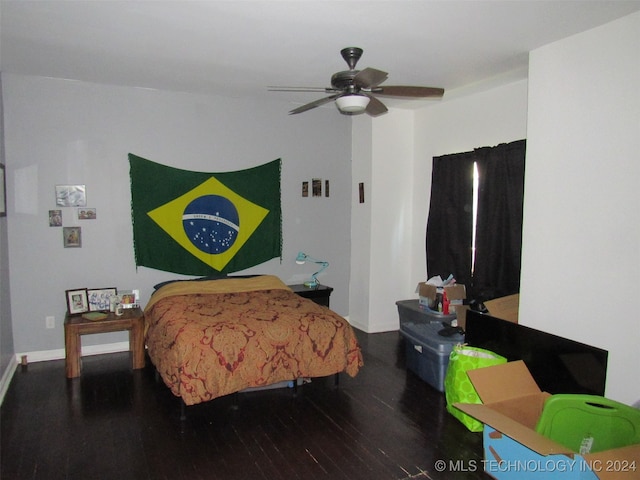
pixel 375 107
pixel 369 77
pixel 317 103
pixel 299 89
pixel 408 91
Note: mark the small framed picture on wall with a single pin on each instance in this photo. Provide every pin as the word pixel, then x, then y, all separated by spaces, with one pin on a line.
pixel 71 196
pixel 55 218
pixel 87 214
pixel 72 237
pixel 3 192
pixel 316 187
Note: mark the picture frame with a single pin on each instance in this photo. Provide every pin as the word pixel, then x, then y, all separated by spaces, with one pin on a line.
pixel 3 191
pixel 316 187
pixel 129 298
pixel 100 298
pixel 77 301
pixel 71 196
pixel 72 237
pixel 55 218
pixel 85 213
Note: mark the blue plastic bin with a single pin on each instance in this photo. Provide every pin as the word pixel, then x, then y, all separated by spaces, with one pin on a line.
pixel 427 352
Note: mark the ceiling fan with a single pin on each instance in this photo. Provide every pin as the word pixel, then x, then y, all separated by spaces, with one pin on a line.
pixel 354 91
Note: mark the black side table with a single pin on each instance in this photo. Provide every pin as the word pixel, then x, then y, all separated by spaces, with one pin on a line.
pixel 319 294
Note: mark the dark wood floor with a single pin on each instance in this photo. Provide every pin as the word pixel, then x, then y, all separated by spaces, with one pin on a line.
pixel 113 423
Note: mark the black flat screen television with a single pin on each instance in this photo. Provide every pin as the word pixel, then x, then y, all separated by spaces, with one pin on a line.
pixel 557 364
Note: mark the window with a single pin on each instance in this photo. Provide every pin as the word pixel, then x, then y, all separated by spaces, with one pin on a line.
pixel 474 230
pixel 474 221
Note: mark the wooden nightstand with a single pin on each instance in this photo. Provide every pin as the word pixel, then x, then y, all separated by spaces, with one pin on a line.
pixel 319 294
pixel 132 319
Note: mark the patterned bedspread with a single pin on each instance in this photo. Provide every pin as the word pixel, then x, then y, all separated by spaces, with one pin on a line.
pixel 215 337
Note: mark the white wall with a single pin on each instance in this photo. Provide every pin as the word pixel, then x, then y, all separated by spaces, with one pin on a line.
pixel 362 132
pixel 6 332
pixel 60 132
pixel 581 239
pixel 383 155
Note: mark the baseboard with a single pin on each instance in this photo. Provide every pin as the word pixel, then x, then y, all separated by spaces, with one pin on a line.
pixel 391 327
pixel 7 375
pixel 356 324
pixel 59 354
pixel 48 355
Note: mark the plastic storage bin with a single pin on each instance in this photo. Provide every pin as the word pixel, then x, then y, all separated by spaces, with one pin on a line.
pixel 589 423
pixel 410 311
pixel 427 352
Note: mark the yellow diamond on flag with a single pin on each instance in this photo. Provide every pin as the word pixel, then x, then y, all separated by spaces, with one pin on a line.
pixel 210 221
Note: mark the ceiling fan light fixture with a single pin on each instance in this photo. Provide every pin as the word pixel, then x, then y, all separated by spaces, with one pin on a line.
pixel 352 104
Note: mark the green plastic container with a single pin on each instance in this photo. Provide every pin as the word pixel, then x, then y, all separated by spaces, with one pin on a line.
pixel 589 423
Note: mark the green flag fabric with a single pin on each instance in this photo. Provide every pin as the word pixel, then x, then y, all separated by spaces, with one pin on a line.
pixel 198 223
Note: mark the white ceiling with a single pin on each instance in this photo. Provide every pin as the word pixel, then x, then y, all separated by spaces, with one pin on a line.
pixel 238 48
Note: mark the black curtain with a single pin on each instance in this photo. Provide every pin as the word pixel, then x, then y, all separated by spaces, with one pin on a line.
pixel 449 226
pixel 499 222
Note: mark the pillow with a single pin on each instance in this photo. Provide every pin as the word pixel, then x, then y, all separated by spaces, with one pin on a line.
pixel 213 276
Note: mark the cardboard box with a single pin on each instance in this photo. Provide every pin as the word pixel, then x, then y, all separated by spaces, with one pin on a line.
pixel 505 308
pixel 427 294
pixel 512 404
pixel 461 316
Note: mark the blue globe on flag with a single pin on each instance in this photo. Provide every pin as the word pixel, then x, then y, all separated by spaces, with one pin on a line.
pixel 212 223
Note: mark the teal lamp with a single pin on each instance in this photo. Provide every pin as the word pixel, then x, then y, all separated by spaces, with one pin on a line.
pixel 303 258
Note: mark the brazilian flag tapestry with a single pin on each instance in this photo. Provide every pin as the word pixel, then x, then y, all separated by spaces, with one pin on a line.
pixel 198 223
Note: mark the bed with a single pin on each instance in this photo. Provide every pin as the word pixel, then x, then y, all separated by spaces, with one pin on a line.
pixel 210 338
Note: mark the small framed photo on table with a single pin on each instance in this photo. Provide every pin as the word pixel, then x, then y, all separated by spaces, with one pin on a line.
pixel 100 298
pixel 77 301
pixel 129 298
